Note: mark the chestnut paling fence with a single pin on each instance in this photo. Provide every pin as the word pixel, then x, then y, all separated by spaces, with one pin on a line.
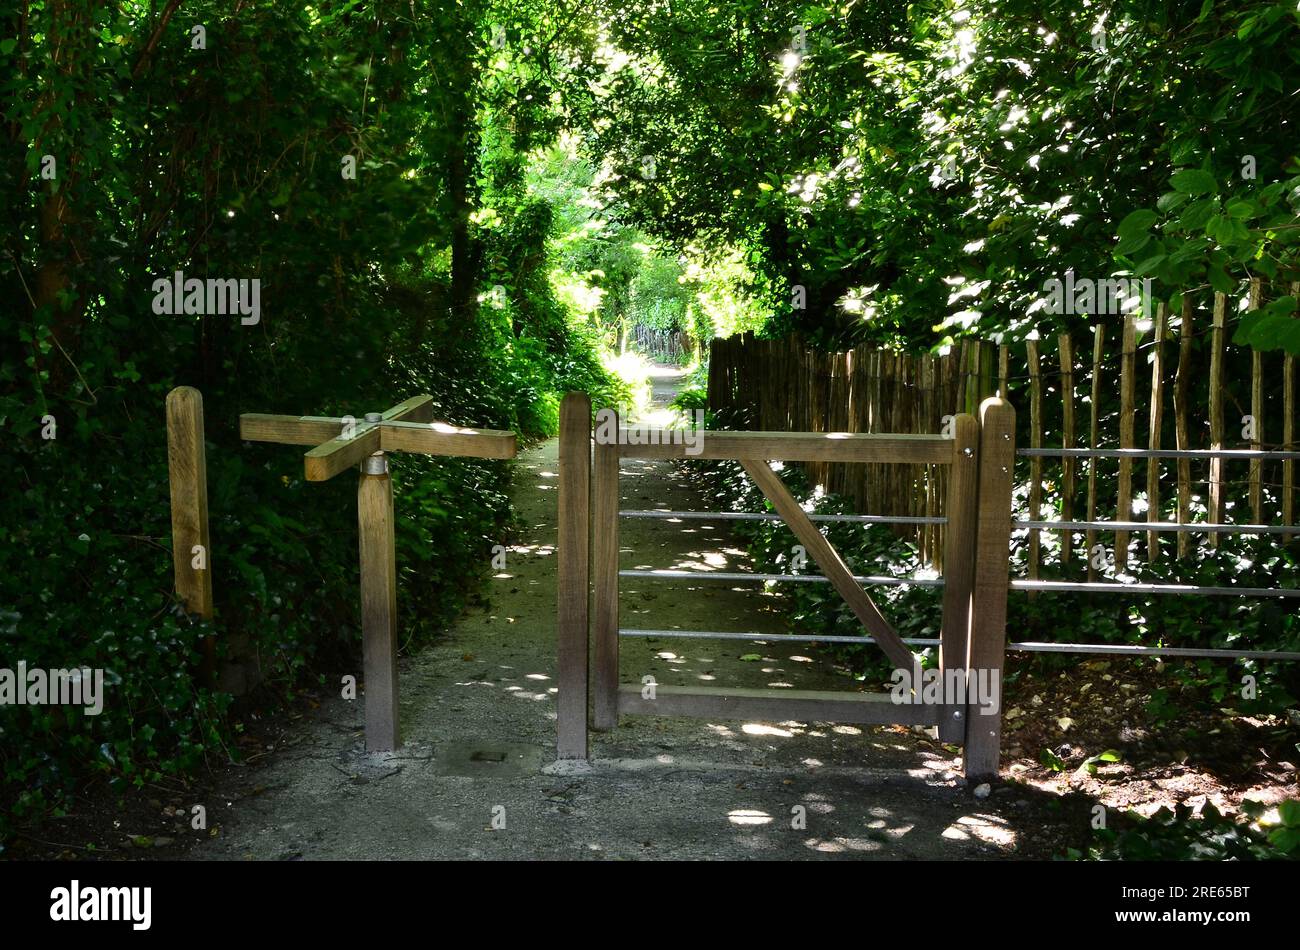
pixel 1165 436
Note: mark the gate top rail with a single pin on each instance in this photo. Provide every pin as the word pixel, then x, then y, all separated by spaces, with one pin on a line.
pixel 893 448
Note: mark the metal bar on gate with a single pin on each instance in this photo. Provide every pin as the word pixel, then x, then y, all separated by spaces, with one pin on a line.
pixel 771 637
pixel 756 516
pixel 778 578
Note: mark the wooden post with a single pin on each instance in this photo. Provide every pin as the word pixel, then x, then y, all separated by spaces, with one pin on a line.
pixel 959 571
pixel 1216 412
pixel 1035 462
pixel 1068 465
pixel 988 354
pixel 970 371
pixel 713 400
pixel 378 603
pixel 926 423
pixel 1288 434
pixel 604 532
pixel 1127 395
pixel 1257 412
pixel 1156 422
pixel 188 477
pixel 988 627
pixel 1182 393
pixel 837 414
pixel 1090 537
pixel 572 586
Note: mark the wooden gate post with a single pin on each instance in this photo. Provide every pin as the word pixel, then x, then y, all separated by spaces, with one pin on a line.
pixel 961 510
pixel 378 603
pixel 572 544
pixel 988 628
pixel 187 475
pixel 604 533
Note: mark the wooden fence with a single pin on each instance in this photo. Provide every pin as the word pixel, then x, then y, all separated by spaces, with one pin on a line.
pixel 669 346
pixel 1194 382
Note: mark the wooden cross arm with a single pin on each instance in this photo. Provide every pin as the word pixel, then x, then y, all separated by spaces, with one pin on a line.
pixel 406 427
pixel 289 430
pixel 313 430
pixel 340 454
pixel 439 438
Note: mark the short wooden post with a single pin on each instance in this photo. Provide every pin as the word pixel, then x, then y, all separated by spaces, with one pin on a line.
pixel 1035 462
pixel 188 478
pixel 1156 424
pixel 1090 537
pixel 572 548
pixel 988 629
pixel 1182 437
pixel 977 373
pixel 1127 440
pixel 604 532
pixel 959 567
pixel 1256 489
pixel 1217 332
pixel 1288 433
pixel 378 603
pixel 1069 466
pixel 988 371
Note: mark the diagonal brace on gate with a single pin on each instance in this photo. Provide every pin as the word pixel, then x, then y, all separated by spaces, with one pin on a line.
pixel 829 560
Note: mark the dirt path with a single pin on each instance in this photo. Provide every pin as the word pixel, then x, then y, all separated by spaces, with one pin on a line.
pixel 478 718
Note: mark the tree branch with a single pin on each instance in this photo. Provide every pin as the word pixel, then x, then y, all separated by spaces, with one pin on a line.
pixel 154 38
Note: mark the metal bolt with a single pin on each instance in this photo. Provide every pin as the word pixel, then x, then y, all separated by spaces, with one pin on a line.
pixel 968 451
pixel 374 417
pixel 956 714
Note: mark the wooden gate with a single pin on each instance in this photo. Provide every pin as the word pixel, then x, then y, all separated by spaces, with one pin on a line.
pixel 980 452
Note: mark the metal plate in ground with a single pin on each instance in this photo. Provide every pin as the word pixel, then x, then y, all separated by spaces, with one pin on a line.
pixel 472 759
